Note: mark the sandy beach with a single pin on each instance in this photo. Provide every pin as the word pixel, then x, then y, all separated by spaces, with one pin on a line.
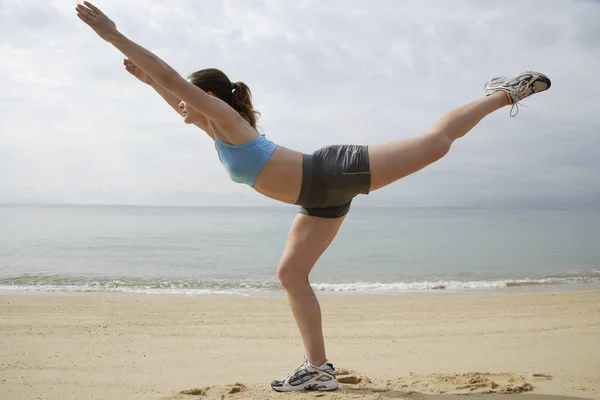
pixel 107 346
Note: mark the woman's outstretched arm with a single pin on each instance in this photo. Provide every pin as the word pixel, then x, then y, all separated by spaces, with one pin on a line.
pixel 162 73
pixel 143 77
pixel 167 96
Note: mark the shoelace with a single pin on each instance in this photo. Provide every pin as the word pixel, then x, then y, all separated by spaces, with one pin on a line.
pixel 523 90
pixel 298 368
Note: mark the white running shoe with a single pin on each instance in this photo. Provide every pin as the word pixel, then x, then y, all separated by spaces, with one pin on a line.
pixel 308 377
pixel 518 87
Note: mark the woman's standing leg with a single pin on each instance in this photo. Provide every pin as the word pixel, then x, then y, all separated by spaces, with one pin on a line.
pixel 307 239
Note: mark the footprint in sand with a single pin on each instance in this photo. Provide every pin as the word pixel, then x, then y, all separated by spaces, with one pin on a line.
pixel 466 383
pixel 195 392
pixel 211 392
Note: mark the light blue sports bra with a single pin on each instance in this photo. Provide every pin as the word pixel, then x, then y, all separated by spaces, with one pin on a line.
pixel 246 161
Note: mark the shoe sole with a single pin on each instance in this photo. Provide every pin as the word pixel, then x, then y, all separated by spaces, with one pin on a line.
pixel 313 387
pixel 544 79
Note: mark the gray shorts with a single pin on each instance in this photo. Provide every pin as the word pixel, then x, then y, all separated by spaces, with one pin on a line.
pixel 331 178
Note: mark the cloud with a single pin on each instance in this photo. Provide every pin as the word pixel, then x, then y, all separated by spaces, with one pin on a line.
pixel 75 127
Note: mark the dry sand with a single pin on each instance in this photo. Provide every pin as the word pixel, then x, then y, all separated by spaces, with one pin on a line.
pixel 94 346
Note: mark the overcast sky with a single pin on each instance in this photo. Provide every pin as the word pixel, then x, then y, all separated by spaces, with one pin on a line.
pixel 76 127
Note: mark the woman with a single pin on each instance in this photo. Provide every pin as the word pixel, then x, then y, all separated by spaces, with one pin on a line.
pixel 323 184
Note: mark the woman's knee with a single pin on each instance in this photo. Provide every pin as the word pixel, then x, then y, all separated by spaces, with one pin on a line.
pixel 439 144
pixel 291 276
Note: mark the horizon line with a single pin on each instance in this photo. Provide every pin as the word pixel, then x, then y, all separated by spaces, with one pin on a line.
pixel 282 206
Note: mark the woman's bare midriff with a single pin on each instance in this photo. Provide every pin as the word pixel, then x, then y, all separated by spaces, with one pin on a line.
pixel 281 179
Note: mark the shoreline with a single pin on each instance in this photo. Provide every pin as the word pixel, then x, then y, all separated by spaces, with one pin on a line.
pixel 511 289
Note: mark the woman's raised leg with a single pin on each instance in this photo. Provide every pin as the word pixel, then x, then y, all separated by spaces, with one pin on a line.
pixel 396 159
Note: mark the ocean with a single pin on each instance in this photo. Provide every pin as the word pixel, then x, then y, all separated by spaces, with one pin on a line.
pixel 197 251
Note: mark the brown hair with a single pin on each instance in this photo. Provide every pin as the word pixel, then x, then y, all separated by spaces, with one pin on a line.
pixel 237 94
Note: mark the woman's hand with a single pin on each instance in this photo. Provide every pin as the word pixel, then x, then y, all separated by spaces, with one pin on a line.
pixel 95 19
pixel 137 72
